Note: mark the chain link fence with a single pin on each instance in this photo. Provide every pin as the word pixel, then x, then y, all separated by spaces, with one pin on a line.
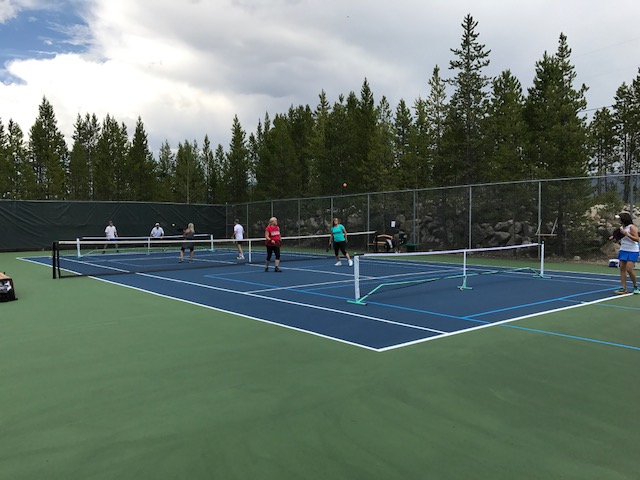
pixel 573 216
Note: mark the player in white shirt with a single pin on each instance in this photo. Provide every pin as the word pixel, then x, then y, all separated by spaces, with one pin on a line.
pixel 157 231
pixel 238 235
pixel 111 233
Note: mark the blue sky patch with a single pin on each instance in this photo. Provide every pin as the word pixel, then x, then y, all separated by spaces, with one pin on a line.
pixel 41 34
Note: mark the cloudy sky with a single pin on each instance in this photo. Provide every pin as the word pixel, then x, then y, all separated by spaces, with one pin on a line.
pixel 186 67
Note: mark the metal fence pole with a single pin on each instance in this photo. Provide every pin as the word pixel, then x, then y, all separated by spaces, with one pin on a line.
pixel 470 214
pixel 539 231
pixel 415 214
pixel 368 212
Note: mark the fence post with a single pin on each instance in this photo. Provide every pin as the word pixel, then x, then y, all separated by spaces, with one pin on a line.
pixel 415 214
pixel 368 212
pixel 470 214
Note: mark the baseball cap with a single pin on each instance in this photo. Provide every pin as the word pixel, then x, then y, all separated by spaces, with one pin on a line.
pixel 157 224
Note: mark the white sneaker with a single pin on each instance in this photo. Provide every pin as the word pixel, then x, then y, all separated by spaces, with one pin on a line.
pixel 338 264
pixel 351 263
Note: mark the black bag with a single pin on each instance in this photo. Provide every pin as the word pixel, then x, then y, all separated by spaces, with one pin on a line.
pixel 7 292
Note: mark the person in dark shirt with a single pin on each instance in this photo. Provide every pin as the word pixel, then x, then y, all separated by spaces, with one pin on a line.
pixel 188 234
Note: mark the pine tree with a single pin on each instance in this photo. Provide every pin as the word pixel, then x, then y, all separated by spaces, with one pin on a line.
pixel 6 165
pixel 386 177
pixel 320 163
pixel 78 179
pixel 166 172
pixel 505 131
pixel 300 125
pixel 278 154
pixel 110 161
pixel 627 118
pixel 430 121
pixel 467 109
pixel 190 185
pixel 317 147
pixel 558 137
pixel 365 164
pixel 48 154
pixel 339 145
pixel 237 179
pixel 255 146
pixel 140 167
pixel 86 134
pixel 24 179
pixel 286 148
pixel 603 143
pixel 211 179
pixel 406 160
pixel 220 160
pixel 558 134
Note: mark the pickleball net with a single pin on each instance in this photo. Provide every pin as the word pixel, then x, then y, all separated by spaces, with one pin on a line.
pixel 376 273
pixel 73 258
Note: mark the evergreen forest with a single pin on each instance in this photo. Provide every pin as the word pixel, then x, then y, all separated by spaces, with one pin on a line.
pixel 468 129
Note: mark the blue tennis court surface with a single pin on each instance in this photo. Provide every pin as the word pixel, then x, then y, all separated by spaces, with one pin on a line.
pixel 312 296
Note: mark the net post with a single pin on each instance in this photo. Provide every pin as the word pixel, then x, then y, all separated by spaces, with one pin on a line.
pixel 53 258
pixel 78 248
pixel 541 273
pixel 356 276
pixel 356 282
pixel 211 238
pixel 464 272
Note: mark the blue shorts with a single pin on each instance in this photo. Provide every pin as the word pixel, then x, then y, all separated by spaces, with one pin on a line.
pixel 627 256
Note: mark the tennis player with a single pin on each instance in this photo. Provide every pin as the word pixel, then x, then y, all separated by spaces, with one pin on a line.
pixel 238 235
pixel 157 232
pixel 188 234
pixel 111 233
pixel 628 253
pixel 339 240
pixel 273 241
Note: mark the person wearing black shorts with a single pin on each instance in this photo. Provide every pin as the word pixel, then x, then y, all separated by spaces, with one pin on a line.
pixel 188 234
pixel 339 240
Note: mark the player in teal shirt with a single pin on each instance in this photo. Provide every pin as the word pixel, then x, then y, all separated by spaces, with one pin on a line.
pixel 339 240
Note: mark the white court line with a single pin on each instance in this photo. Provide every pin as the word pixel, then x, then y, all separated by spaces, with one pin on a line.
pixel 301 269
pixel 449 334
pixel 296 287
pixel 574 275
pixel 217 309
pixel 291 302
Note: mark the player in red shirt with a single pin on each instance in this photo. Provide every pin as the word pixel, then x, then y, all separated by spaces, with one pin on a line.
pixel 272 241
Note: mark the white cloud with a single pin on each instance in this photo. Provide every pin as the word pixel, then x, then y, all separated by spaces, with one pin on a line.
pixel 7 10
pixel 188 67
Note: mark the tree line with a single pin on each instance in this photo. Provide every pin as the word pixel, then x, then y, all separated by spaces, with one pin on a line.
pixel 486 130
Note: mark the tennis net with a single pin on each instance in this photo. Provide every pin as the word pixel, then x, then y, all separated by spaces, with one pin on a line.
pixel 378 272
pixel 98 258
